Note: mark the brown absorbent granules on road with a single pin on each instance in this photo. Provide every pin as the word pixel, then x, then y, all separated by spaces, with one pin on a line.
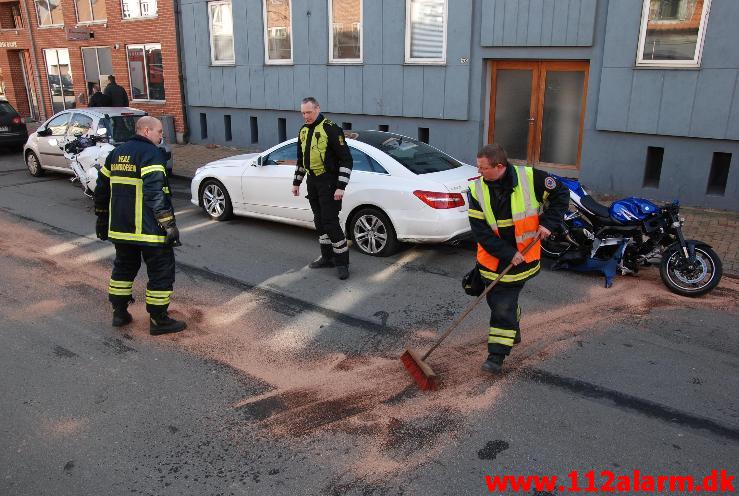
pixel 361 401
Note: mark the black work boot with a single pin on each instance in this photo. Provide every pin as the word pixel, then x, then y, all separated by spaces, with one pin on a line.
pixel 343 271
pixel 321 263
pixel 493 364
pixel 164 324
pixel 121 316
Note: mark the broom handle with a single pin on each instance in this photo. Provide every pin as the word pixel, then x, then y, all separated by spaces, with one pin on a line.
pixel 472 305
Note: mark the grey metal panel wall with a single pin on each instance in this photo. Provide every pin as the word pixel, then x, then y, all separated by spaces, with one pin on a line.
pixel 537 22
pixel 678 102
pixel 382 85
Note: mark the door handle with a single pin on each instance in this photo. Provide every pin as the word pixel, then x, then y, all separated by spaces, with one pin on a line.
pixel 531 119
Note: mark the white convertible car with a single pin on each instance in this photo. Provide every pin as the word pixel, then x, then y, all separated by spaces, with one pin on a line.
pixel 400 190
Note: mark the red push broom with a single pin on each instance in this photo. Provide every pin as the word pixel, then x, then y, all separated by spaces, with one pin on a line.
pixel 416 365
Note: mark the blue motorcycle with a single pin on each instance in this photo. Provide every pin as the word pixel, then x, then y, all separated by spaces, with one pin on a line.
pixel 629 234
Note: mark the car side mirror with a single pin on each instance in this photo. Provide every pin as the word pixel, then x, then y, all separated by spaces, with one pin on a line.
pixel 260 160
pixel 44 131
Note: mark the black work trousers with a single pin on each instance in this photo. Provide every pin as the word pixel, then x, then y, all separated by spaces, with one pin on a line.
pixel 160 267
pixel 504 318
pixel 326 210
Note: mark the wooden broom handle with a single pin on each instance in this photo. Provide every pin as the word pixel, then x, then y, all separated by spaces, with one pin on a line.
pixel 477 300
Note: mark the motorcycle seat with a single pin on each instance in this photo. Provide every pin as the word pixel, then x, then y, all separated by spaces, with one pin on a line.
pixel 599 210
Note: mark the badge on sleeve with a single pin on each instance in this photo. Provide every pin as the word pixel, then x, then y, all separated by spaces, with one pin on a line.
pixel 550 183
pixel 341 140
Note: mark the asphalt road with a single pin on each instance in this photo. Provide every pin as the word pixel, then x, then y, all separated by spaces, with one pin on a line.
pixel 287 380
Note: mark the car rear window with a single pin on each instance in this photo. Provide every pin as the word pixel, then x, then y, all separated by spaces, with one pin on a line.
pixel 120 127
pixel 414 155
pixel 6 108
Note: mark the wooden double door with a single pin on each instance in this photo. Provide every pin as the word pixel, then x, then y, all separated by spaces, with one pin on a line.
pixel 537 110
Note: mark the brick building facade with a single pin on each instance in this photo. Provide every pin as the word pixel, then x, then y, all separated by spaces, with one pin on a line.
pixel 52 51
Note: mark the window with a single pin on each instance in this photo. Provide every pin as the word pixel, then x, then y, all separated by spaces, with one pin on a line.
pixel 90 10
pixel 58 125
pixel 203 126
pixel 345 35
pixel 425 31
pixel 416 156
pixel 120 127
pixel 227 127
pixel 139 8
pixel 672 33
pixel 221 33
pixel 362 162
pixel 98 65
pixel 146 72
pixel 287 155
pixel 278 41
pixel 59 74
pixel 80 124
pixel 49 13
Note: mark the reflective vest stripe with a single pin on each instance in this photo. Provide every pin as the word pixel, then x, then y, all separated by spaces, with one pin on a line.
pixel 138 209
pixel 476 214
pixel 149 238
pixel 511 277
pixel 105 172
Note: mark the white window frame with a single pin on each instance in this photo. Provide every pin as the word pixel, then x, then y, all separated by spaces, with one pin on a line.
pixel 267 60
pixel 678 64
pixel 411 60
pixel 38 17
pixel 146 70
pixel 213 61
pixel 156 14
pixel 331 59
pixel 94 21
pixel 97 60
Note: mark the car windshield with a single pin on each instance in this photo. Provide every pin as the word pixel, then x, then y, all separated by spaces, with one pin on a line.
pixel 6 108
pixel 120 127
pixel 416 156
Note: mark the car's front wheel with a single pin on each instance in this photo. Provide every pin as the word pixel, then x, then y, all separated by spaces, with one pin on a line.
pixel 33 164
pixel 373 233
pixel 215 200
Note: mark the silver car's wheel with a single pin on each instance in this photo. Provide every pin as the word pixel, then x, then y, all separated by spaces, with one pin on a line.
pixel 33 164
pixel 373 233
pixel 215 200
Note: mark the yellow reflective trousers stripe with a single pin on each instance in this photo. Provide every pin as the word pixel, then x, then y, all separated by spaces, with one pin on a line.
pixel 499 340
pixel 120 284
pixel 497 331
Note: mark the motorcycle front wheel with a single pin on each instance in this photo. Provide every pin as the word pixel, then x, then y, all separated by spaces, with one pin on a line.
pixel 554 246
pixel 691 278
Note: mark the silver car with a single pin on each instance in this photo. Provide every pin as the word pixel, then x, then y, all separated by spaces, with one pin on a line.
pixel 42 150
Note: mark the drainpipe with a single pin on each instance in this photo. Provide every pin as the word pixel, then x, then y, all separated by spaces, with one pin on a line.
pixel 181 67
pixel 34 61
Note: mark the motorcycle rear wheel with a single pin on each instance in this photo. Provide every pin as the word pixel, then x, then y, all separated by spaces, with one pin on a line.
pixel 694 279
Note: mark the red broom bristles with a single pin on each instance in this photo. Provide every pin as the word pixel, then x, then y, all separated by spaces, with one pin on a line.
pixel 425 382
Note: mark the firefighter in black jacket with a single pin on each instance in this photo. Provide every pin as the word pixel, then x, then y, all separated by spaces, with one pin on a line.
pixel 134 210
pixel 324 155
pixel 508 207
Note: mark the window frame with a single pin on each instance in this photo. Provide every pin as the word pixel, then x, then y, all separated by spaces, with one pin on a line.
pixel 142 46
pixel 94 21
pixel 331 59
pixel 61 84
pixel 38 17
pixel 425 61
pixel 97 61
pixel 213 61
pixel 153 16
pixel 267 60
pixel 672 64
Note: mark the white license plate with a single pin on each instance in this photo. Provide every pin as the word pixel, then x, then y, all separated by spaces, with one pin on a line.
pixel 4 129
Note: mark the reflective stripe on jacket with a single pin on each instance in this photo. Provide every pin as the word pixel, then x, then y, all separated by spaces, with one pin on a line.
pixel 133 187
pixel 525 221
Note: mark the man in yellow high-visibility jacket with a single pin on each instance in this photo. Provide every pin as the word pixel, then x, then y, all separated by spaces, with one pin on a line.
pixel 508 207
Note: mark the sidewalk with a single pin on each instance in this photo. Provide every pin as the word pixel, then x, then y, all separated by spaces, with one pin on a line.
pixel 717 228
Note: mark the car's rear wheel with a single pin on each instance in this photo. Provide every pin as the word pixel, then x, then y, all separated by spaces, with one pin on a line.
pixel 373 233
pixel 215 200
pixel 34 165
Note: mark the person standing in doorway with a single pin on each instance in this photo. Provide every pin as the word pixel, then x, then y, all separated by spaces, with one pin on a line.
pixel 325 157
